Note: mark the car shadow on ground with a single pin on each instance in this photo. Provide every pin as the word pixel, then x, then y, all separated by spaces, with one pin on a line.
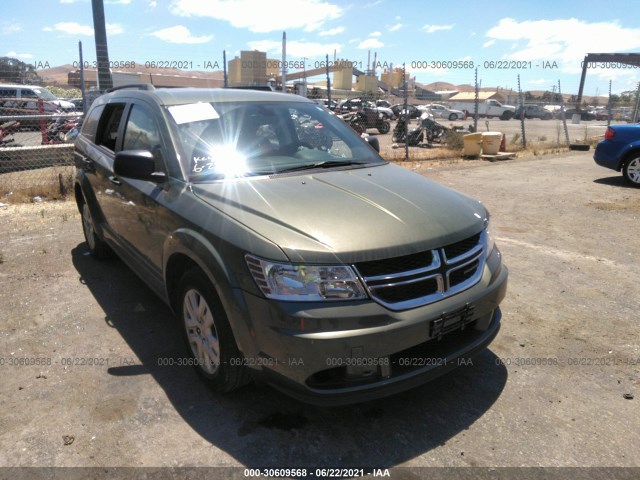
pixel 260 427
pixel 615 181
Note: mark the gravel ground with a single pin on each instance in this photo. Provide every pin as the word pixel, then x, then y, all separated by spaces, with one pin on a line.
pixel 557 388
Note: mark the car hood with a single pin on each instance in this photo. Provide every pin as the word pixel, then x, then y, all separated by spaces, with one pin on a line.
pixel 347 215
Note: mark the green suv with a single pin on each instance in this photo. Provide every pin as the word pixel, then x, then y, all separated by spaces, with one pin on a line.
pixel 287 247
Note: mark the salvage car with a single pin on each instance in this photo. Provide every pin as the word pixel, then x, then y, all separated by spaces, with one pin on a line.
pixel 620 151
pixel 289 250
pixel 440 111
pixel 533 111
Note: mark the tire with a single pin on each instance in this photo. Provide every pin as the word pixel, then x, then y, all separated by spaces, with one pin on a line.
pixel 209 338
pixel 384 127
pixel 453 117
pixel 506 115
pixel 358 128
pixel 97 247
pixel 631 170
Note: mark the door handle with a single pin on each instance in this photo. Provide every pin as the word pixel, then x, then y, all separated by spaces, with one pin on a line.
pixel 115 180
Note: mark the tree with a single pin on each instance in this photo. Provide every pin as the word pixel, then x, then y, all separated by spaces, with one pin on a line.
pixel 15 71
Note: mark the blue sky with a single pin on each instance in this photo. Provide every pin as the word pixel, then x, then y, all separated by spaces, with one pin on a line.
pixel 534 35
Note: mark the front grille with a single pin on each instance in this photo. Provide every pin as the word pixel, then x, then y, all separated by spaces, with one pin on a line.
pixel 410 281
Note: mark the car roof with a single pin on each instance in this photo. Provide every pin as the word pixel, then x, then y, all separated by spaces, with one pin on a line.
pixel 181 96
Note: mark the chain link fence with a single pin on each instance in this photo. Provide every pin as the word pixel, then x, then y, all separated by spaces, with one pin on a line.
pixel 36 150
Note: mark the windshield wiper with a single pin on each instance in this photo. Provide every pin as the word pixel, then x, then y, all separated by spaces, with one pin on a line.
pixel 324 164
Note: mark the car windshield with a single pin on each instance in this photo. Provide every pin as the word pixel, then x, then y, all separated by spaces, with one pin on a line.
pixel 44 94
pixel 225 140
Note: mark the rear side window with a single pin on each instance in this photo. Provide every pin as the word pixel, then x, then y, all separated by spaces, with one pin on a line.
pixel 90 125
pixel 107 134
pixel 8 93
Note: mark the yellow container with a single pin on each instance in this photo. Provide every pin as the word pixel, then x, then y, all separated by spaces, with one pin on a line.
pixel 472 144
pixel 491 143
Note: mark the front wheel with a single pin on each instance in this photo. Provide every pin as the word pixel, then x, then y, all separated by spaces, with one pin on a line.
pixel 213 349
pixel 631 171
pixel 506 115
pixel 453 117
pixel 384 127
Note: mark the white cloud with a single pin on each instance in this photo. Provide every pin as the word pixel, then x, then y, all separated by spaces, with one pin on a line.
pixel 260 16
pixel 70 28
pixel 18 55
pixel 114 29
pixel 152 4
pixel 375 34
pixel 370 43
pixel 395 27
pixel 332 31
pixel 540 81
pixel 295 48
pixel 118 2
pixel 435 28
pixel 180 34
pixel 9 28
pixel 565 41
pixel 488 43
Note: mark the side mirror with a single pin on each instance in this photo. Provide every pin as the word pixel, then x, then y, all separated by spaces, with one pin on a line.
pixel 373 142
pixel 137 164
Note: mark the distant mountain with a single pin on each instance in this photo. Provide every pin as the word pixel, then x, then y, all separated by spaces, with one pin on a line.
pixel 58 75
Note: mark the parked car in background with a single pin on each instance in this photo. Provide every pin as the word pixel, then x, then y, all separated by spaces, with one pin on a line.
pixel 355 104
pixel 441 111
pixel 325 103
pixel 413 110
pixel 488 108
pixel 533 111
pixel 34 92
pixel 620 151
pixel 570 112
pixel 287 247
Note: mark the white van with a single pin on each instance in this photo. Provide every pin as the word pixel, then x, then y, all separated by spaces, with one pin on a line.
pixel 25 92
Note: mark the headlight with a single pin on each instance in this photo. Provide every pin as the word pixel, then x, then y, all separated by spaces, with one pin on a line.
pixel 306 283
pixel 489 241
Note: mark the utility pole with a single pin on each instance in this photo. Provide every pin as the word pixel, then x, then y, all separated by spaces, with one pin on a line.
pixel 105 81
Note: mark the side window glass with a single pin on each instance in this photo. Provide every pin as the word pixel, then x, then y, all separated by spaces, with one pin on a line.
pixel 90 125
pixel 28 93
pixel 108 127
pixel 141 132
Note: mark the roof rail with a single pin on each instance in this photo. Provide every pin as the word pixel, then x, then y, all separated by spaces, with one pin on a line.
pixel 133 86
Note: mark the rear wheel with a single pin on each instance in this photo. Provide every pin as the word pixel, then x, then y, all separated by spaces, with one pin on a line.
pixel 213 349
pixel 97 247
pixel 631 170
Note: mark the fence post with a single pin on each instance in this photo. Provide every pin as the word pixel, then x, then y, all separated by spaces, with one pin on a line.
pixel 521 101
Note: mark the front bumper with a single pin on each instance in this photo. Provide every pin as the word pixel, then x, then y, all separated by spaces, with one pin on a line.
pixel 335 354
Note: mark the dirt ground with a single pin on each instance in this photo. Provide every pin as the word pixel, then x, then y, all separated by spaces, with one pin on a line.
pixel 82 345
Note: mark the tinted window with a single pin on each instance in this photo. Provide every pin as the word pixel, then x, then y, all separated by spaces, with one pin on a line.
pixel 108 127
pixel 141 132
pixel 90 125
pixel 8 93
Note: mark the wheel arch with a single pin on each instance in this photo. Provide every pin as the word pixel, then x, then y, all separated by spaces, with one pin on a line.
pixel 632 151
pixel 187 249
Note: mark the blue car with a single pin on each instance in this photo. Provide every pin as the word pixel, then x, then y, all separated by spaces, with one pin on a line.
pixel 620 150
